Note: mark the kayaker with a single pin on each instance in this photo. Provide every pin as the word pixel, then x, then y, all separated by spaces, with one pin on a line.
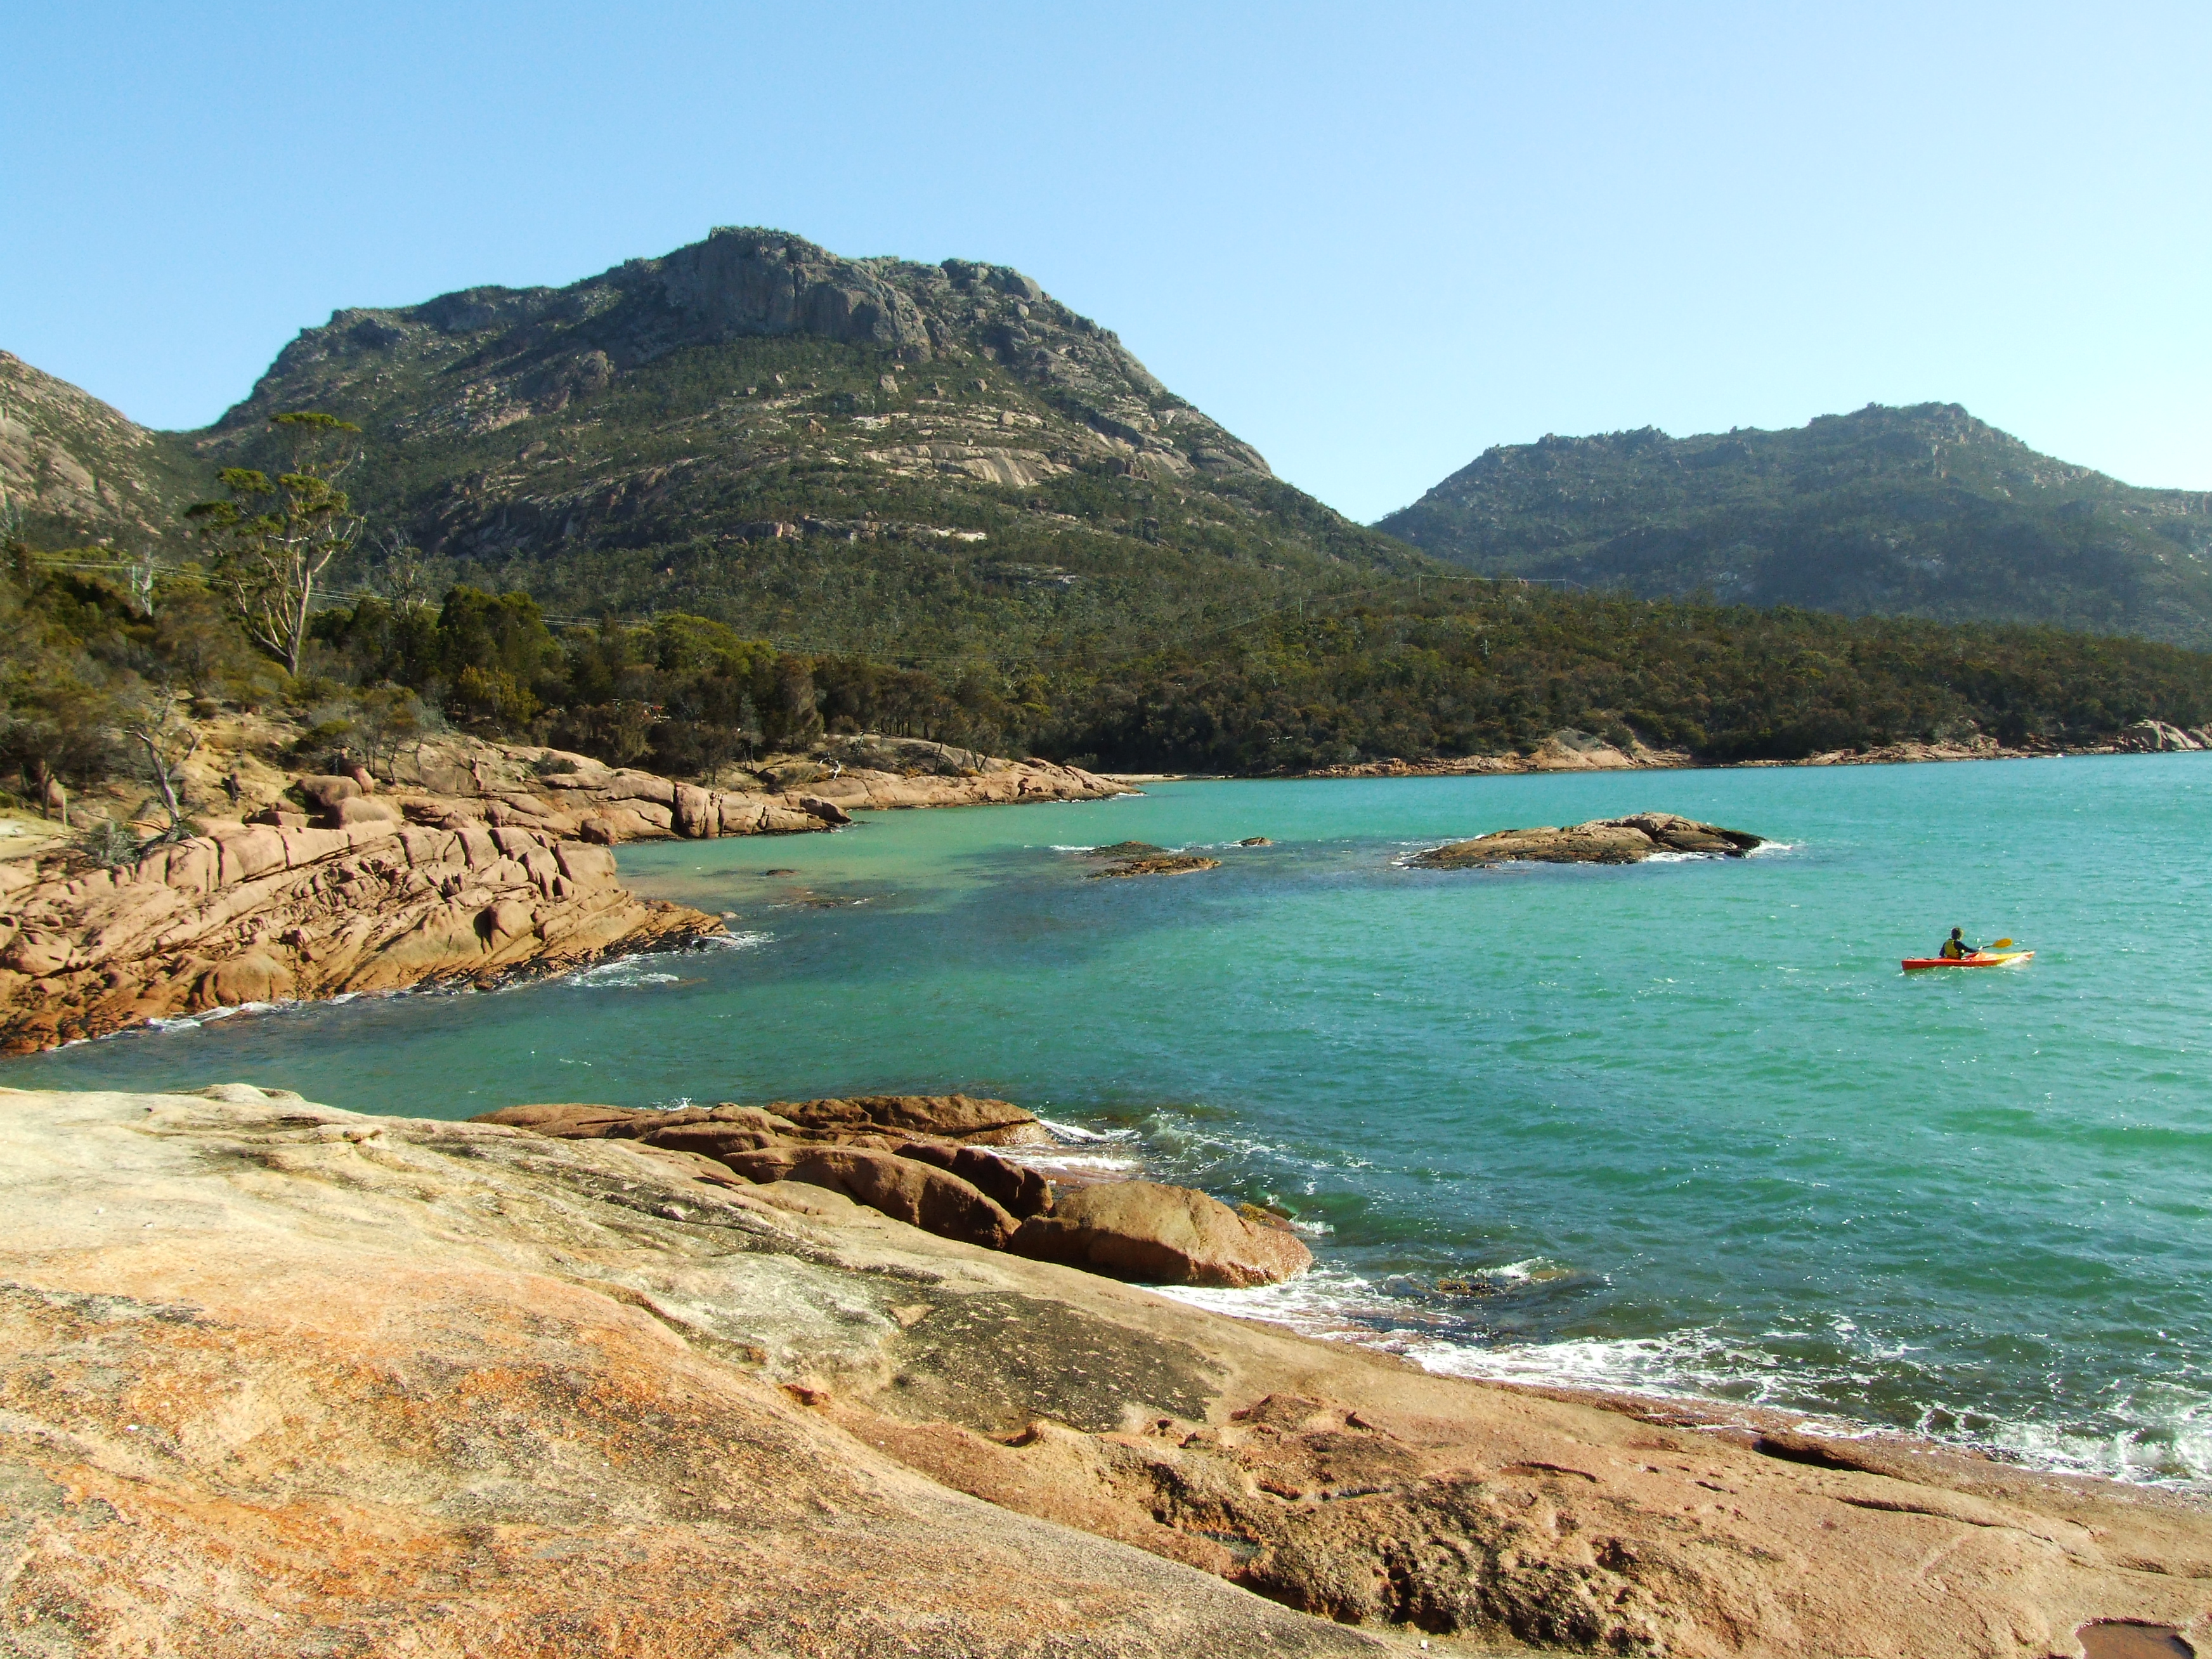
pixel 1956 949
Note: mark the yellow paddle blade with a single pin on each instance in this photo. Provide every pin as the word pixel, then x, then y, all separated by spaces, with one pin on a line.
pixel 2000 945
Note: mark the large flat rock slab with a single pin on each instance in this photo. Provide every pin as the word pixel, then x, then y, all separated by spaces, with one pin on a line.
pixel 281 1379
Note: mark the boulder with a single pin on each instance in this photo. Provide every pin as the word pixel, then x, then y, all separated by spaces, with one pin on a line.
pixel 359 809
pixel 1570 750
pixel 972 1119
pixel 790 773
pixel 828 810
pixel 1160 1235
pixel 906 1190
pixel 324 792
pixel 1015 1189
pixel 695 813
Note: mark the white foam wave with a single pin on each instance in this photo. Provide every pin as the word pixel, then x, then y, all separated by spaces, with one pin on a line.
pixel 1533 1270
pixel 732 942
pixel 625 973
pixel 194 1022
pixel 2162 1442
pixel 1046 1159
pixel 2164 1439
pixel 1075 1132
pixel 1325 1301
pixel 1770 848
pixel 621 974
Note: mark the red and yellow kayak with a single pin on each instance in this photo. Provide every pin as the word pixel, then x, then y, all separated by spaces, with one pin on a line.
pixel 1980 959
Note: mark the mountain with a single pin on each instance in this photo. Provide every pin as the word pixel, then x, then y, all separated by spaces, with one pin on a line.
pixel 72 469
pixel 1923 512
pixel 932 500
pixel 851 454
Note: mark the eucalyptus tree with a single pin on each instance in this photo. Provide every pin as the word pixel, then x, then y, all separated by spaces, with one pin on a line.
pixel 272 537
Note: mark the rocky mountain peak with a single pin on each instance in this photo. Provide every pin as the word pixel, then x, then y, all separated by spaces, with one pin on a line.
pixel 519 353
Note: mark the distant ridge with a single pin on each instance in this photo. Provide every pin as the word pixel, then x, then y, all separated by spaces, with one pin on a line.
pixel 1922 511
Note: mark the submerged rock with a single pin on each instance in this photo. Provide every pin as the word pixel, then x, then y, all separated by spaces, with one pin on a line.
pixel 1602 840
pixel 1141 858
pixel 1161 1235
pixel 1168 864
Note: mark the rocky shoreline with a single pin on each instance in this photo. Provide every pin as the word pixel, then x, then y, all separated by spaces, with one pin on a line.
pixel 483 862
pixel 281 1378
pixel 1569 750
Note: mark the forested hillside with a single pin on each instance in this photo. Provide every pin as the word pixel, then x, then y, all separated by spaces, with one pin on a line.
pixel 729 500
pixel 1921 512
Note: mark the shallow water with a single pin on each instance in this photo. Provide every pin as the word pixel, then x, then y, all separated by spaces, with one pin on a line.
pixel 1682 1126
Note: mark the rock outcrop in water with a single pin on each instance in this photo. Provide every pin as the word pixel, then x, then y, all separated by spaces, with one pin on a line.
pixel 281 1379
pixel 1141 858
pixel 1602 840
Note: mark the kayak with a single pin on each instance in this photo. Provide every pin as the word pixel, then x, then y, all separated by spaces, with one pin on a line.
pixel 1980 959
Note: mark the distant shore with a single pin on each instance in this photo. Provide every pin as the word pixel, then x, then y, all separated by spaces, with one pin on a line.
pixel 1577 752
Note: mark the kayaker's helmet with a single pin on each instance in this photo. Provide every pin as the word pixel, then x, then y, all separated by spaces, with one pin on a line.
pixel 1955 932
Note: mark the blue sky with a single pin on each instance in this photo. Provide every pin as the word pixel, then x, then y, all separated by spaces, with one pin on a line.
pixel 1371 240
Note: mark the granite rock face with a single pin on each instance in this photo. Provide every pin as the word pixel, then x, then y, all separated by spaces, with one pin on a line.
pixel 282 1379
pixel 246 913
pixel 573 794
pixel 1602 840
pixel 2157 738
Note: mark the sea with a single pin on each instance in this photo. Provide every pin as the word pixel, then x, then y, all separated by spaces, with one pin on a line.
pixel 1682 1128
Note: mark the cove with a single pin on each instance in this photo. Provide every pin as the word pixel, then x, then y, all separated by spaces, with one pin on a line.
pixel 1681 1126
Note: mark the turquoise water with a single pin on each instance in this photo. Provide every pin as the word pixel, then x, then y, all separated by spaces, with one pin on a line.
pixel 1681 1126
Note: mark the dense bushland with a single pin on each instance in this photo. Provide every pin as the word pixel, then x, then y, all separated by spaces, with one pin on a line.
pixel 1401 669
